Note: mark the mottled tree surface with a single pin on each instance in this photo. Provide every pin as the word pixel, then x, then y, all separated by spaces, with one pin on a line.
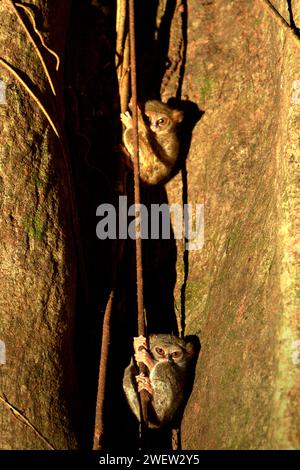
pixel 239 293
pixel 242 296
pixel 37 258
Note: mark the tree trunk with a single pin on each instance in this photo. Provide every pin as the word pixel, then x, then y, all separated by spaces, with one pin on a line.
pixel 37 255
pixel 241 293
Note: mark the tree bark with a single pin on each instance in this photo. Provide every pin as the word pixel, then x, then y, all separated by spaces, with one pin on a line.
pixel 37 255
pixel 241 290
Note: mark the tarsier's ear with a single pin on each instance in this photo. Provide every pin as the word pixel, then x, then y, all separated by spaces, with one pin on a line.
pixel 152 336
pixel 177 115
pixel 190 349
pixel 193 345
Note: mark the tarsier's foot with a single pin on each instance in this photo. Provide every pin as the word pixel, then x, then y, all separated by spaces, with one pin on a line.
pixel 126 119
pixel 144 383
pixel 141 353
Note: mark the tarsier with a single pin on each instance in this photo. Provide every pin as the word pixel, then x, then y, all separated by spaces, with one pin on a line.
pixel 169 360
pixel 158 140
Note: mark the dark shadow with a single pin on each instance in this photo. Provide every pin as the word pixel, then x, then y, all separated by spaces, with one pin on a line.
pixel 292 21
pixel 192 114
pixel 152 46
pixel 195 340
pixel 185 253
pixel 159 268
pixel 91 91
pixel 184 16
pixel 93 129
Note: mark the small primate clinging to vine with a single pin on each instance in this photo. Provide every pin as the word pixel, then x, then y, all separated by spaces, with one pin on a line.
pixel 158 140
pixel 170 363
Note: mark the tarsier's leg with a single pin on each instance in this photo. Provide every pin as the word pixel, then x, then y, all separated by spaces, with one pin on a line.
pixel 144 383
pixel 129 386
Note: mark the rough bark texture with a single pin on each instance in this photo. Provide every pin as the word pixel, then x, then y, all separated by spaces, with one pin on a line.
pixel 241 294
pixel 37 259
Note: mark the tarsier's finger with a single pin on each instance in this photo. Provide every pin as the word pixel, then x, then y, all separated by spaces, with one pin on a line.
pixel 126 123
pixel 145 386
pixel 141 356
pixel 140 378
pixel 138 357
pixel 139 342
pixel 144 357
pixel 139 339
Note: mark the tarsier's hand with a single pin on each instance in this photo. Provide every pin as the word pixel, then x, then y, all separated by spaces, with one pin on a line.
pixel 126 119
pixel 172 361
pixel 141 353
pixel 144 383
pixel 139 342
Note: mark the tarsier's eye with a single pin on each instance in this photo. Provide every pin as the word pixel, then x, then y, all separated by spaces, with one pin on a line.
pixel 159 351
pixel 161 121
pixel 175 354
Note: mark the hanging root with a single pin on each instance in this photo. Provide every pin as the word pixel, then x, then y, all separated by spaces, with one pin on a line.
pixel 137 198
pixel 30 92
pixel 20 416
pixel 280 20
pixel 33 41
pixel 99 418
pixel 29 12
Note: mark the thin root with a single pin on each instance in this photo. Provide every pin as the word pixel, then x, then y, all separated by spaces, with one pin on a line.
pixel 33 42
pixel 42 108
pixel 24 420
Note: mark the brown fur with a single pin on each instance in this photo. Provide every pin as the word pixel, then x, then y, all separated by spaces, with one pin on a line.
pixel 168 379
pixel 158 143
